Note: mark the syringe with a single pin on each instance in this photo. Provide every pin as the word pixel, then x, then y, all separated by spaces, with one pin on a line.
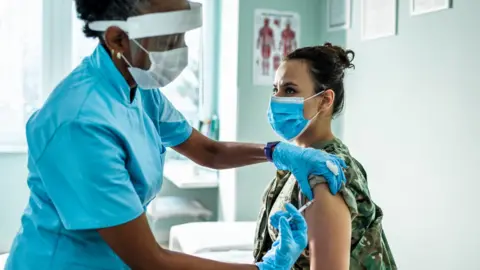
pixel 301 209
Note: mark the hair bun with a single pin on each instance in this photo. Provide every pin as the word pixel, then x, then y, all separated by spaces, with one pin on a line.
pixel 345 56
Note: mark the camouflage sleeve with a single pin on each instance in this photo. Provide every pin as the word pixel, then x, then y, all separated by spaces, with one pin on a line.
pixel 345 192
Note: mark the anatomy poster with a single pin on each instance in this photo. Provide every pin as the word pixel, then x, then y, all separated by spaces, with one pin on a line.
pixel 276 33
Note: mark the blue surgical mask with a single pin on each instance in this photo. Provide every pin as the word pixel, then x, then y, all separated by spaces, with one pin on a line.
pixel 285 115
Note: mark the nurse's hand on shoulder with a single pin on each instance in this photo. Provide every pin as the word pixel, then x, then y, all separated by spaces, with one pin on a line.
pixel 292 240
pixel 303 162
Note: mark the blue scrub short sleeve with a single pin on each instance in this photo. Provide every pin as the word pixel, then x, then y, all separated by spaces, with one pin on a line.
pixel 83 170
pixel 173 127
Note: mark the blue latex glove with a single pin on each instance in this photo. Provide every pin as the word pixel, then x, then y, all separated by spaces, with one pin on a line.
pixel 292 240
pixel 303 162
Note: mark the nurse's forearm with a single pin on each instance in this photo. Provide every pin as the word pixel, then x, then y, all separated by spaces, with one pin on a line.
pixel 220 155
pixel 233 155
pixel 178 261
pixel 135 244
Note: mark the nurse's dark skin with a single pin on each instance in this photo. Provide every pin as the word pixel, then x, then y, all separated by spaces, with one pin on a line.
pixel 133 241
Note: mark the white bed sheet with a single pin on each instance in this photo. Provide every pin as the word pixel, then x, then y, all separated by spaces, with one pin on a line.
pixel 231 256
pixel 202 237
pixel 3 260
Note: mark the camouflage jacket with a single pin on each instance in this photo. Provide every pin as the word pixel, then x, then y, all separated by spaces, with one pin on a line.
pixel 369 246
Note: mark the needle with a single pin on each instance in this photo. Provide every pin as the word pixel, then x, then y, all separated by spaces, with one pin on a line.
pixel 305 206
pixel 301 209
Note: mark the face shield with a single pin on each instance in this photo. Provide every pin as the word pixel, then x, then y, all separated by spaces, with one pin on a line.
pixel 166 38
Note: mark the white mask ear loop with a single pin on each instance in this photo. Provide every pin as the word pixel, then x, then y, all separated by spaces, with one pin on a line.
pixel 125 59
pixel 146 51
pixel 141 47
pixel 120 55
pixel 316 95
pixel 309 120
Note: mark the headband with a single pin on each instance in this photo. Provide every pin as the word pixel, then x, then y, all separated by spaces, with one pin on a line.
pixel 156 24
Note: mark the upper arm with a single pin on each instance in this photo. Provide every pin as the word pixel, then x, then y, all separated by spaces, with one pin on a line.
pixel 174 129
pixel 198 148
pixel 84 174
pixel 177 133
pixel 329 230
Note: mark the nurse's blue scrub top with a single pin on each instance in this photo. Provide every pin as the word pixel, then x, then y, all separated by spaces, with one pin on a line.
pixel 95 160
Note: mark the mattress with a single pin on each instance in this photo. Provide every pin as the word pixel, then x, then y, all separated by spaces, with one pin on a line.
pixel 205 237
pixel 232 256
pixel 3 260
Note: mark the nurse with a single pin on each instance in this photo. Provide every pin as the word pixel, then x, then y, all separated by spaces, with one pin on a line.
pixel 97 149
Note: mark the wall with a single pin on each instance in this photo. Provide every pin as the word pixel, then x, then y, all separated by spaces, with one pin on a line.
pixel 412 118
pixel 243 105
pixel 338 38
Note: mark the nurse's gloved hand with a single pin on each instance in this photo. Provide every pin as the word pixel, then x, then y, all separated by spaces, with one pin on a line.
pixel 292 240
pixel 303 162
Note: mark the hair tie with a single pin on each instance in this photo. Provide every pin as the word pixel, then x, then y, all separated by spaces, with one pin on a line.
pixel 327 44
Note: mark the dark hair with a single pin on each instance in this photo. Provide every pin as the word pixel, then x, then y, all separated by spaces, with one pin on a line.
pixel 99 10
pixel 327 68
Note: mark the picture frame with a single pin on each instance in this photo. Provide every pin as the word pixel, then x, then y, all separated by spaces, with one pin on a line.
pixel 338 15
pixel 428 6
pixel 371 25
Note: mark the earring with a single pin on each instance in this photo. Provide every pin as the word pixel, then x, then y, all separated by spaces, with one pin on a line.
pixel 118 55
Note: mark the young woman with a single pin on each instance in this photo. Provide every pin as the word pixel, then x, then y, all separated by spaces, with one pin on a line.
pixel 345 230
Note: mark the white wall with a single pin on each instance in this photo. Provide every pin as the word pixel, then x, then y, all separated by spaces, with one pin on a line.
pixel 413 119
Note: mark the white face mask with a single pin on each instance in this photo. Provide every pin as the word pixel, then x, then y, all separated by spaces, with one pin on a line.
pixel 164 68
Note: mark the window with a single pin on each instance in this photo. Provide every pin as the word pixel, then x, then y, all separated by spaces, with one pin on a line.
pixel 20 72
pixel 40 54
pixel 81 46
pixel 192 92
pixel 184 92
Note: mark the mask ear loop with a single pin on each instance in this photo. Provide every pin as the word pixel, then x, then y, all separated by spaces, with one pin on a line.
pixel 152 62
pixel 316 95
pixel 141 47
pixel 125 59
pixel 120 55
pixel 309 120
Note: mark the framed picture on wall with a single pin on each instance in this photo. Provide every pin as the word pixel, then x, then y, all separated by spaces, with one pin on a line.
pixel 418 7
pixel 276 33
pixel 338 14
pixel 378 19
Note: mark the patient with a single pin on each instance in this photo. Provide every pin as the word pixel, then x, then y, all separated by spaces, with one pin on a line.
pixel 345 230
